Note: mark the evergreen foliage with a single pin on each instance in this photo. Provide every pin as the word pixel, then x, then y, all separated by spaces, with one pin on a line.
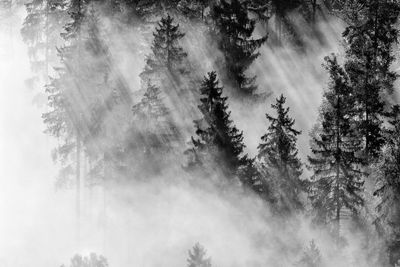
pixel 369 55
pixel 219 147
pixel 93 260
pixel 41 32
pixel 278 153
pixel 197 257
pixel 388 187
pixel 167 55
pixel 337 184
pixel 311 256
pixel 154 123
pixel 234 30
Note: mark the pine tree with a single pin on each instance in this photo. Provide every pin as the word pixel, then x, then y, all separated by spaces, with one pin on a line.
pixel 369 54
pixel 168 69
pixel 336 184
pixel 278 153
pixel 217 136
pixel 41 32
pixel 219 147
pixel 153 133
pixel 233 33
pixel 167 55
pixel 84 97
pixel 72 30
pixel 93 260
pixel 388 187
pixel 197 257
pixel 311 257
pixel 155 117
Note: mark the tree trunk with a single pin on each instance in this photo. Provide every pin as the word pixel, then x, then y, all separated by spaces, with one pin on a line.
pixel 78 188
pixel 47 43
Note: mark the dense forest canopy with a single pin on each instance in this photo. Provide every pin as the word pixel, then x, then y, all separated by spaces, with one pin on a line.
pixel 146 99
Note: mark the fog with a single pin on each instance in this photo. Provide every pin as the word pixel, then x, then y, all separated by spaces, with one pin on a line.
pixel 155 222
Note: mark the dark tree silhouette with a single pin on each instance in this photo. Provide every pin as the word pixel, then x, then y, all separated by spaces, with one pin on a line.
pixel 336 184
pixel 387 172
pixel 369 55
pixel 233 33
pixel 278 153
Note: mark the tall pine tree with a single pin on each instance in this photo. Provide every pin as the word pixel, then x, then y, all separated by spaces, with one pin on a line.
pixel 369 55
pixel 336 184
pixel 388 188
pixel 278 153
pixel 233 32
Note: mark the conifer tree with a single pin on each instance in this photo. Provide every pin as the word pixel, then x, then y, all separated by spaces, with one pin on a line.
pixel 84 97
pixel 72 30
pixel 369 54
pixel 167 55
pixel 219 146
pixel 41 32
pixel 311 256
pixel 278 153
pixel 154 136
pixel 233 33
pixel 167 67
pixel 155 120
pixel 336 184
pixel 217 135
pixel 93 260
pixel 388 187
pixel 197 257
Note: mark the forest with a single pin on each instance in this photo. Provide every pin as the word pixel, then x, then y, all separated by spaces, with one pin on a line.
pixel 207 133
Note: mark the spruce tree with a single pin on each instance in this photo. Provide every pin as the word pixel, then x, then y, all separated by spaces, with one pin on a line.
pixel 154 136
pixel 72 30
pixel 93 260
pixel 219 144
pixel 41 32
pixel 369 54
pixel 337 183
pixel 234 30
pixel 388 187
pixel 155 120
pixel 167 55
pixel 216 134
pixel 278 153
pixel 197 257
pixel 167 68
pixel 311 256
